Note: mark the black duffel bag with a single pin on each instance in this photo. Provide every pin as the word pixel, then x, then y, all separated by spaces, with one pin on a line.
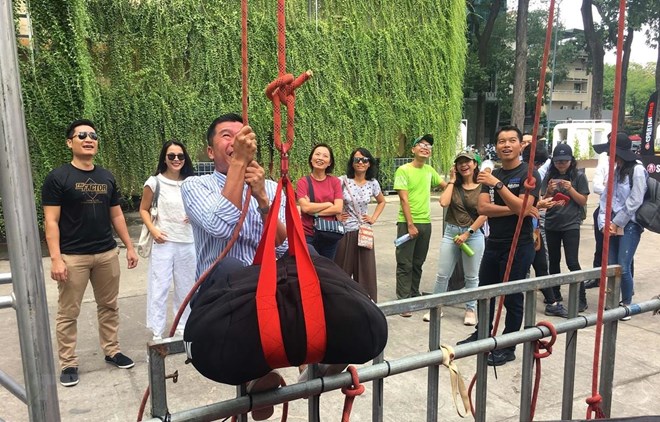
pixel 224 336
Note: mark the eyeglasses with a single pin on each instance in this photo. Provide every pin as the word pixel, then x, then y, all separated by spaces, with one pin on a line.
pixel 360 160
pixel 172 156
pixel 425 146
pixel 82 135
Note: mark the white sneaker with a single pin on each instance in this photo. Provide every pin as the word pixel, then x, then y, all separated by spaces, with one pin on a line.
pixel 427 316
pixel 178 333
pixel 156 337
pixel 470 318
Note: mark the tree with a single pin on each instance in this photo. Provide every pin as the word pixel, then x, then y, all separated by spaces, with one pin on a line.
pixel 520 66
pixel 596 52
pixel 479 47
pixel 641 85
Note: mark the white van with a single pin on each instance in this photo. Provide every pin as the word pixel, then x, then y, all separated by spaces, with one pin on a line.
pixel 581 135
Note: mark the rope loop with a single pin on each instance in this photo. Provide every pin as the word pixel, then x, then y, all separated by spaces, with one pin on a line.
pixel 594 400
pixel 356 389
pixel 545 344
pixel 530 183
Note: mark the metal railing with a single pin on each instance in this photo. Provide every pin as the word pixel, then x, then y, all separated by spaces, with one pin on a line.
pixel 432 359
pixel 19 209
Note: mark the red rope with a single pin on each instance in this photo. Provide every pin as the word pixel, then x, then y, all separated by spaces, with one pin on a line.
pixel 244 60
pixel 351 392
pixel 595 399
pixel 538 355
pixel 530 182
pixel 282 90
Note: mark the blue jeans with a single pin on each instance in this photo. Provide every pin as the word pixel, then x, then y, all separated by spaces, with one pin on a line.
pixel 622 251
pixel 449 253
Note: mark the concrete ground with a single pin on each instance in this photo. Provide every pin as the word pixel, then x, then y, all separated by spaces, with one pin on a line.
pixel 106 393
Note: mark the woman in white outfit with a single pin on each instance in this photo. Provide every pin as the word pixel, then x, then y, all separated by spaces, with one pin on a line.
pixel 173 252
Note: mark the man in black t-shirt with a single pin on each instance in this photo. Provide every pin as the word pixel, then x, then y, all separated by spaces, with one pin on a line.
pixel 81 206
pixel 501 200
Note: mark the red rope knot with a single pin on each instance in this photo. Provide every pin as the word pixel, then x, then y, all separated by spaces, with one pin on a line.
pixel 351 392
pixel 594 400
pixel 545 344
pixel 356 389
pixel 594 406
pixel 530 183
pixel 282 90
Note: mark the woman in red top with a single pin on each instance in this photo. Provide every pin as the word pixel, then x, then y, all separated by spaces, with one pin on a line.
pixel 320 196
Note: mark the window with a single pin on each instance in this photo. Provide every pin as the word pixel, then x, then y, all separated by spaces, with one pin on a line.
pixel 577 87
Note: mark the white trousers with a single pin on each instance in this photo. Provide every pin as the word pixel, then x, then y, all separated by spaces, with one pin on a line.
pixel 169 262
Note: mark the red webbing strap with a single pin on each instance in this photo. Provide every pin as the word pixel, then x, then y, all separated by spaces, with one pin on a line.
pixel 270 329
pixel 595 399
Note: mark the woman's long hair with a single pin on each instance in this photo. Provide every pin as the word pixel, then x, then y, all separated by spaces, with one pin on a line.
pixel 187 168
pixel 626 169
pixel 372 171
pixel 553 173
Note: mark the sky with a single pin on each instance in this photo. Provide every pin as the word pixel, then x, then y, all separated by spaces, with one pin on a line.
pixel 571 17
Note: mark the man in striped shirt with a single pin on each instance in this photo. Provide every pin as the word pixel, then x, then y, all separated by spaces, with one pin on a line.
pixel 213 202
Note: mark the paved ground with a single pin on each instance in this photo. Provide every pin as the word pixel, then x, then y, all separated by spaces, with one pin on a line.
pixel 109 394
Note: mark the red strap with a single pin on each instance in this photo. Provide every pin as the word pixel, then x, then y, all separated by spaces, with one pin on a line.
pixel 268 317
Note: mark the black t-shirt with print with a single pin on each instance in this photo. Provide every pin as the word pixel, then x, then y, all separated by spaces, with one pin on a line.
pixel 502 229
pixel 85 198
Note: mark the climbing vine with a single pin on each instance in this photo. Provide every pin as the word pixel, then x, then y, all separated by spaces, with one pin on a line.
pixel 147 71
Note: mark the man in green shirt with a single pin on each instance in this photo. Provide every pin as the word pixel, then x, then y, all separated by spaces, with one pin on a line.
pixel 413 183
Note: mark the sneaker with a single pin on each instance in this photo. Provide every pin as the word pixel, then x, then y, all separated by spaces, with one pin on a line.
pixel 427 316
pixel 583 306
pixel 270 381
pixel 473 337
pixel 406 314
pixel 556 310
pixel 470 317
pixel 592 284
pixel 120 360
pixel 178 333
pixel 627 317
pixel 69 376
pixel 500 357
pixel 156 337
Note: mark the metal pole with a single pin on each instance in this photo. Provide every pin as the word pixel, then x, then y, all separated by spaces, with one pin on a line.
pixel 609 345
pixel 5 278
pixel 377 396
pixel 12 386
pixel 526 379
pixel 21 224
pixel 433 376
pixel 570 356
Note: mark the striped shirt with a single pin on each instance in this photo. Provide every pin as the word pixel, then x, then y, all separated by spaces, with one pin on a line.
pixel 213 218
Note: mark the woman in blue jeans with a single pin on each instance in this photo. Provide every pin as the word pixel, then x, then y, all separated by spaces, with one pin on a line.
pixel 463 226
pixel 627 196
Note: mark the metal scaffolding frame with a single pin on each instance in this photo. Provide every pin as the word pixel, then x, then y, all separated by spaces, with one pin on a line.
pixel 159 350
pixel 27 276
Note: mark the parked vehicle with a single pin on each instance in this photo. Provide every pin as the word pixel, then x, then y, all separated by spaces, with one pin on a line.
pixel 581 135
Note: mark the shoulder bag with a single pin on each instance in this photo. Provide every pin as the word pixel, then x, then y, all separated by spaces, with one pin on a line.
pixel 146 239
pixel 329 231
pixel 365 232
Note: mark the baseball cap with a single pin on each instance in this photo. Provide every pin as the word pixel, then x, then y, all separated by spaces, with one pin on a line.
pixel 428 138
pixel 465 154
pixel 562 152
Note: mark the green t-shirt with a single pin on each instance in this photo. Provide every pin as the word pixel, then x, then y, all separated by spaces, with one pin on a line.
pixel 418 182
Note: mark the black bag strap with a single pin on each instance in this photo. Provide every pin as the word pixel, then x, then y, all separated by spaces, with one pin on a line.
pixel 310 189
pixel 473 214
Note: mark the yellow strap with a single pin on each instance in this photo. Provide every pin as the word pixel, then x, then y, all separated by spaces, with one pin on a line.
pixel 457 384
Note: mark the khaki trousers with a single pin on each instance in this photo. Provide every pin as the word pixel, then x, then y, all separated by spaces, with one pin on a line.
pixel 102 270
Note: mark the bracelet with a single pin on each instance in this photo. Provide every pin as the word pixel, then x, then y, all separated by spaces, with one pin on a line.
pixel 264 210
pixel 316 215
pixel 450 183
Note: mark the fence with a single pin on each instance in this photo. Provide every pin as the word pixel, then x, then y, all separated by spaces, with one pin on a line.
pixel 432 360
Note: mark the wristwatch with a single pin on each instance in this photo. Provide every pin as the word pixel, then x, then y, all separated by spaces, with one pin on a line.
pixel 499 185
pixel 470 230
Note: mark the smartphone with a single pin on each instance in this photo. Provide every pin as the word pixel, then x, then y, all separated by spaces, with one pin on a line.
pixel 560 197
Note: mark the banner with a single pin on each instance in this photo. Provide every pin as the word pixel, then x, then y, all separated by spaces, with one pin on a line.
pixel 648 127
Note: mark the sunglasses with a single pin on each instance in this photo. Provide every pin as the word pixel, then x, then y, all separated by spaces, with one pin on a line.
pixel 172 156
pixel 82 135
pixel 360 160
pixel 425 146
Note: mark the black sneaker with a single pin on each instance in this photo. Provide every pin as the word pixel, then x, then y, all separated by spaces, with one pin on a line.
pixel 500 357
pixel 69 376
pixel 120 360
pixel 582 306
pixel 556 310
pixel 592 284
pixel 473 337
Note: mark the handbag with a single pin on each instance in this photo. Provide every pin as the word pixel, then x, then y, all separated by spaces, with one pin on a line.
pixel 325 231
pixel 365 237
pixel 146 240
pixel 274 314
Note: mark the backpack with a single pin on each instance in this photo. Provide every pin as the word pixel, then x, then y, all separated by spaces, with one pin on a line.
pixel 648 214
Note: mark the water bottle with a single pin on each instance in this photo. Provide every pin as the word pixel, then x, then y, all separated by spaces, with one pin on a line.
pixel 487 165
pixel 465 247
pixel 403 239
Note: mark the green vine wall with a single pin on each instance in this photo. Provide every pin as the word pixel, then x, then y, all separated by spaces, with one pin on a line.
pixel 148 71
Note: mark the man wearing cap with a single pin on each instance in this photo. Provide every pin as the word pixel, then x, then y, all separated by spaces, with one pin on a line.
pixel 413 182
pixel 501 200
